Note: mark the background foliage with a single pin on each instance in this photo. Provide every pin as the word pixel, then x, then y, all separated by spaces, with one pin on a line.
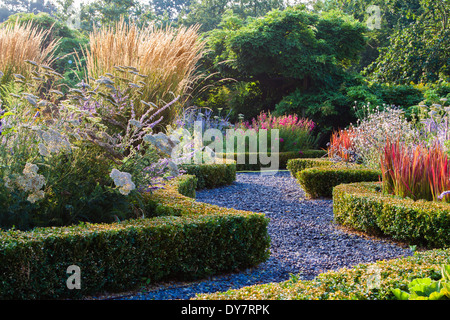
pixel 316 60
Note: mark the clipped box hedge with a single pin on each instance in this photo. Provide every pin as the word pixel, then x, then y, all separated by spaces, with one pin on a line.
pixel 363 207
pixel 369 281
pixel 299 164
pixel 189 240
pixel 212 175
pixel 283 158
pixel 320 181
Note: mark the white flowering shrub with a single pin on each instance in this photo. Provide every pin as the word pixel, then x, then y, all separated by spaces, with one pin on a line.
pixel 373 130
pixel 122 180
pixel 29 182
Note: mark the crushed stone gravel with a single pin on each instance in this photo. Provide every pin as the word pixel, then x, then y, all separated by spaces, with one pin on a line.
pixel 305 241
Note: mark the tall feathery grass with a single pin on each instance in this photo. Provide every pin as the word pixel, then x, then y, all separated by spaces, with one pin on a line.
pixel 22 45
pixel 161 63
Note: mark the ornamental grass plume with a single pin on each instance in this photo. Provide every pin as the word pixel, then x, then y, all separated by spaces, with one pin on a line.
pixel 21 46
pixel 416 172
pixel 160 63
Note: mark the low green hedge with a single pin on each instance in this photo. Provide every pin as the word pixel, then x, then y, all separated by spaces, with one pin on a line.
pixel 363 207
pixel 320 181
pixel 187 184
pixel 211 175
pixel 299 164
pixel 370 281
pixel 283 158
pixel 189 240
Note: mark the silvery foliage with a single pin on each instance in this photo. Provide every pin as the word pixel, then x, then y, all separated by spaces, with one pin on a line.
pixel 376 128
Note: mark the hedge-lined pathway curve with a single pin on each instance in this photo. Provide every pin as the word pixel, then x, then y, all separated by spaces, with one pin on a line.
pixel 304 239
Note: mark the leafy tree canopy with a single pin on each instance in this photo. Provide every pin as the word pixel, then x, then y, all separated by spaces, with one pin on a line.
pixel 107 12
pixel 288 48
pixel 291 53
pixel 209 13
pixel 10 7
pixel 418 52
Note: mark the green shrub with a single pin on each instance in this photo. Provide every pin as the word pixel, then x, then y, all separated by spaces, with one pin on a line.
pixel 296 165
pixel 403 96
pixel 187 185
pixel 244 160
pixel 427 288
pixel 363 207
pixel 306 154
pixel 319 182
pixel 371 281
pixel 212 175
pixel 196 240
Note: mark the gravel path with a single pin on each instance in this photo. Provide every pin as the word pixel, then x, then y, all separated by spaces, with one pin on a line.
pixel 304 239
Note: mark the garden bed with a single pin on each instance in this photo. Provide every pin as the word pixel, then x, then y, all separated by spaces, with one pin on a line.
pixel 363 207
pixel 187 241
pixel 244 160
pixel 317 177
pixel 370 281
pixel 212 175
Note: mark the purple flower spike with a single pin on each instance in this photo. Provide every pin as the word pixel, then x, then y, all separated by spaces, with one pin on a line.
pixel 443 194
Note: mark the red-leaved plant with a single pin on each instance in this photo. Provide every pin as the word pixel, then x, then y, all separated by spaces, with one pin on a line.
pixel 417 172
pixel 341 145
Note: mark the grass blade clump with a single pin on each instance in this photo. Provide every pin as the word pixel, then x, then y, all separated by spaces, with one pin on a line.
pixel 161 63
pixel 21 48
pixel 416 172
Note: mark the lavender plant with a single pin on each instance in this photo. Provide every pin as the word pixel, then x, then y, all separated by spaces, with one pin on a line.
pixel 190 127
pixel 206 117
pixel 433 123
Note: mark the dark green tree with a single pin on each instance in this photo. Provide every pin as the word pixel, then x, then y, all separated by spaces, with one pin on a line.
pixel 171 9
pixel 209 13
pixel 418 52
pixel 287 57
pixel 107 12
pixel 383 18
pixel 10 7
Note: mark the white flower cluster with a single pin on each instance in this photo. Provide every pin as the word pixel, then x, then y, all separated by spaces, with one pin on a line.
pixel 53 142
pixel 372 133
pixel 123 181
pixel 164 143
pixel 135 123
pixel 30 181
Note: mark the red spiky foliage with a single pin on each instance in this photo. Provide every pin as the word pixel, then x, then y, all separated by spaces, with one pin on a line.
pixel 341 144
pixel 417 172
